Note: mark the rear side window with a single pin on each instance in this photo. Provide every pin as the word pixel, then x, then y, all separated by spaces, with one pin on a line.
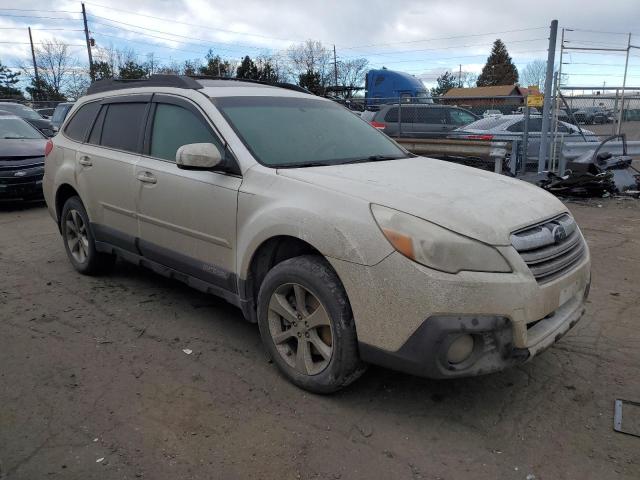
pixel 77 127
pixel 431 115
pixel 123 124
pixel 173 127
pixel 392 115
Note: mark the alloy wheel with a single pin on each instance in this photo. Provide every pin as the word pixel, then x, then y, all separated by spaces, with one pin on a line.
pixel 300 329
pixel 77 238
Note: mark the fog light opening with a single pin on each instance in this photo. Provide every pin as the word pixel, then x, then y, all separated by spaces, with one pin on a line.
pixel 460 349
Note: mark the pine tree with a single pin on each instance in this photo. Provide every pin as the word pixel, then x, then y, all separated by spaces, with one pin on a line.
pixel 216 67
pixel 499 69
pixel 446 82
pixel 41 90
pixel 247 69
pixel 311 81
pixel 8 81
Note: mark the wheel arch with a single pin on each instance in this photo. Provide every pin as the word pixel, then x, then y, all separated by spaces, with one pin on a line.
pixel 63 193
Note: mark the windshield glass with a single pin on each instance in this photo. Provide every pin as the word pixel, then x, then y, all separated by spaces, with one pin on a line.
pixel 487 123
pixel 21 111
pixel 17 128
pixel 288 132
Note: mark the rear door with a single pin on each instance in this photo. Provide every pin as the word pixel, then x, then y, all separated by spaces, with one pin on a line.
pixel 106 168
pixel 187 218
pixel 431 122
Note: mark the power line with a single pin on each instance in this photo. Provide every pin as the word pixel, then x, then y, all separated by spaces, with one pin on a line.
pixel 38 43
pixel 36 10
pixel 173 21
pixel 36 16
pixel 442 38
pixel 44 29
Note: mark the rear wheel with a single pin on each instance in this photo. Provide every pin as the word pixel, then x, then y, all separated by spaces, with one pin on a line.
pixel 307 326
pixel 79 242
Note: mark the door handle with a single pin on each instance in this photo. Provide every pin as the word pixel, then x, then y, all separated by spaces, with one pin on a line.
pixel 85 161
pixel 146 177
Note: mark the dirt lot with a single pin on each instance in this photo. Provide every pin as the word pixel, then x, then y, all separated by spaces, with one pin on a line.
pixel 94 383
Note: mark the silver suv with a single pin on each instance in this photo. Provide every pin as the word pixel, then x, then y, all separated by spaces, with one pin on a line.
pixel 342 246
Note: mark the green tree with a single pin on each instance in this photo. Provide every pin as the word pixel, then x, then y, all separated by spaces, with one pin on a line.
pixel 247 69
pixel 8 81
pixel 131 70
pixel 446 82
pixel 42 90
pixel 215 66
pixel 312 81
pixel 102 70
pixel 499 69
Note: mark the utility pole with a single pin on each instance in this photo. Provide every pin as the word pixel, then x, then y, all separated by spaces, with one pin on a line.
pixel 624 84
pixel 460 77
pixel 86 36
pixel 335 67
pixel 546 109
pixel 35 65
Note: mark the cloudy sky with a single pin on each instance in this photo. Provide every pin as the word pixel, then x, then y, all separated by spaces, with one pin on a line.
pixel 422 37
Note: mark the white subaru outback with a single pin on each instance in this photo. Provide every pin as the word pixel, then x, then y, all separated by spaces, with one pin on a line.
pixel 342 246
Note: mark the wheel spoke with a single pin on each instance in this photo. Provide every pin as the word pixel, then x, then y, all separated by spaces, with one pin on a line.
pixel 74 244
pixel 282 337
pixel 323 348
pixel 304 363
pixel 280 305
pixel 301 300
pixel 71 227
pixel 318 318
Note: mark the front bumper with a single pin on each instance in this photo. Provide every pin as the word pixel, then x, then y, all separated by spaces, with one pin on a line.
pixel 27 186
pixel 406 315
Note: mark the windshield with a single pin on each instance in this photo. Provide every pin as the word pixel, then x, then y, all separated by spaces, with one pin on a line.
pixel 487 123
pixel 21 111
pixel 12 128
pixel 299 132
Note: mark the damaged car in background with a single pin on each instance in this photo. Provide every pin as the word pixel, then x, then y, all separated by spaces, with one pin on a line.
pixel 345 248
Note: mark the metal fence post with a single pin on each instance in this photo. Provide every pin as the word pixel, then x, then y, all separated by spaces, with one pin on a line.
pixel 546 110
pixel 624 84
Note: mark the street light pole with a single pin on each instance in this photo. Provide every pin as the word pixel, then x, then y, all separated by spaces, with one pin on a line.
pixel 546 109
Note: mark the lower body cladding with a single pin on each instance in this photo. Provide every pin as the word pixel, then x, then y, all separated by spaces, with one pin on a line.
pixel 21 183
pixel 416 320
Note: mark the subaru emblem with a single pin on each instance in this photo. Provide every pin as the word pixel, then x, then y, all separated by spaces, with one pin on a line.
pixel 559 233
pixel 20 173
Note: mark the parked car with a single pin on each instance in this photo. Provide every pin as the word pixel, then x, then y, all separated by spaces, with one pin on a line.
pixel 60 113
pixel 22 149
pixel 30 115
pixel 420 121
pixel 491 113
pixel 45 112
pixel 511 127
pixel 521 110
pixel 592 115
pixel 345 248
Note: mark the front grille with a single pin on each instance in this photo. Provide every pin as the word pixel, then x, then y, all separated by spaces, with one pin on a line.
pixel 551 248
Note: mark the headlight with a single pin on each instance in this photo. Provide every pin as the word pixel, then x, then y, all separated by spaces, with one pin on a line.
pixel 435 246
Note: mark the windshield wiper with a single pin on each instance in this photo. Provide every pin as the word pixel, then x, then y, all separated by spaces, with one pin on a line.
pixel 306 164
pixel 373 158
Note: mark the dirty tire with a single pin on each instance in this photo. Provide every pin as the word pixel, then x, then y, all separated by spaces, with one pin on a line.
pixel 91 262
pixel 315 275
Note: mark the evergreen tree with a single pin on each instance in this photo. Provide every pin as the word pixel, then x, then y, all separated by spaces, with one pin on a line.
pixel 499 69
pixel 131 70
pixel 216 67
pixel 311 81
pixel 8 81
pixel 41 90
pixel 446 82
pixel 102 70
pixel 247 69
pixel 266 73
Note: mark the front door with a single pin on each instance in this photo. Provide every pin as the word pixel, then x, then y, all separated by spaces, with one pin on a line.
pixel 186 218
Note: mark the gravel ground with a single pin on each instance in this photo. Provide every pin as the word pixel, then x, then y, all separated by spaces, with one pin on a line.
pixel 94 383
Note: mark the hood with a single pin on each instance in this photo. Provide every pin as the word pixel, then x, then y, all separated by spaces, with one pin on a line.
pixel 476 203
pixel 21 148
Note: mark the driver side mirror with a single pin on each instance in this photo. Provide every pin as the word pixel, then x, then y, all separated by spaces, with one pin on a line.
pixel 198 156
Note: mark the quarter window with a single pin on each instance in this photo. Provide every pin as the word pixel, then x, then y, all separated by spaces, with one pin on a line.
pixel 175 126
pixel 123 123
pixel 77 127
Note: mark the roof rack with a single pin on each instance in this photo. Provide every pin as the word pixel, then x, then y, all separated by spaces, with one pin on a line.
pixel 176 81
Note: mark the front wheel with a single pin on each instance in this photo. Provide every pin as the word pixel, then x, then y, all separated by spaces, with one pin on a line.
pixel 79 242
pixel 307 326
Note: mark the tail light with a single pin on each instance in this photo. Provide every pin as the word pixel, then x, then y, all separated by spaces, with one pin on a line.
pixel 48 148
pixel 479 137
pixel 378 125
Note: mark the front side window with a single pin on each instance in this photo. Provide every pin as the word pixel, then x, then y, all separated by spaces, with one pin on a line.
pixel 77 127
pixel 175 126
pixel 460 117
pixel 430 115
pixel 123 124
pixel 299 132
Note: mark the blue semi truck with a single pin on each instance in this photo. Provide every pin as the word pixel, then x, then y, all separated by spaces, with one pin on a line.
pixel 387 86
